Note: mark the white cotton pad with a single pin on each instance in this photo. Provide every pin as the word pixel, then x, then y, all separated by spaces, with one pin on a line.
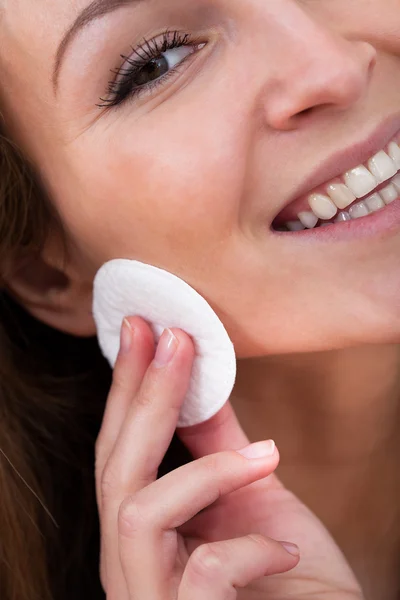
pixel 125 288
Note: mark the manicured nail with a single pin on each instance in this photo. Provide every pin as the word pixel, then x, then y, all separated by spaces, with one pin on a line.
pixel 291 548
pixel 126 336
pixel 258 450
pixel 166 349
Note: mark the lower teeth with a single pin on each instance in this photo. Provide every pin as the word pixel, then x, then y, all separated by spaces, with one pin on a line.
pixel 372 204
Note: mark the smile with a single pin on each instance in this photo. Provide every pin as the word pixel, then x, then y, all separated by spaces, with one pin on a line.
pixel 359 192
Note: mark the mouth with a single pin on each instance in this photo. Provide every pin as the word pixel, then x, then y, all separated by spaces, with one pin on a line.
pixel 357 194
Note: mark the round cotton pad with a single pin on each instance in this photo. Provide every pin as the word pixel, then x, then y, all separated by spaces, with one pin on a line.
pixel 125 288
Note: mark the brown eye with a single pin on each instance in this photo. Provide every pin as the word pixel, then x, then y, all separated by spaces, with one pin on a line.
pixel 145 72
pixel 153 70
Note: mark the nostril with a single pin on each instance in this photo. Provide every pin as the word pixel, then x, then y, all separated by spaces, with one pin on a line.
pixel 287 120
pixel 305 112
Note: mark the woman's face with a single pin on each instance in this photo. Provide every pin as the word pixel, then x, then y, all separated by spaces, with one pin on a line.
pixel 189 173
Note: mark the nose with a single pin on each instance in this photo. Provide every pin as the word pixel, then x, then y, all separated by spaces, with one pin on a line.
pixel 319 68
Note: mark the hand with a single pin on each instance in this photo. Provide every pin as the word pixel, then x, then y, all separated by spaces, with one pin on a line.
pixel 145 554
pixel 268 508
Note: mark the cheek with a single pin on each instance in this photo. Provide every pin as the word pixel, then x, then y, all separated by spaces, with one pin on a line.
pixel 158 195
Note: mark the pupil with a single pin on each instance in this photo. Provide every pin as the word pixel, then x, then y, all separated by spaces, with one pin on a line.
pixel 153 70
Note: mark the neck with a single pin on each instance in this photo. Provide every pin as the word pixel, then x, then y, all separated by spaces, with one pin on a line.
pixel 332 407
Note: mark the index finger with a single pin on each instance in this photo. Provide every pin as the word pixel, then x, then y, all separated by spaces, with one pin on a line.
pixel 151 418
pixel 129 370
pixel 153 404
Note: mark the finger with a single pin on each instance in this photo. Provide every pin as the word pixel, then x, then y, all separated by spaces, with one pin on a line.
pixel 135 354
pixel 151 419
pixel 216 570
pixel 221 432
pixel 149 518
pixel 145 435
pixel 134 357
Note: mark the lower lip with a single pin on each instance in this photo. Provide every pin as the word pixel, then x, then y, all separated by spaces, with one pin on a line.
pixel 381 223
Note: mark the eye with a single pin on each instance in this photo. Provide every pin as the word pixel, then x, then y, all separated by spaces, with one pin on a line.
pixel 158 67
pixel 150 65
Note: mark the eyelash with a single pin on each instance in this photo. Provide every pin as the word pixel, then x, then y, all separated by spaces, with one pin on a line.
pixel 122 88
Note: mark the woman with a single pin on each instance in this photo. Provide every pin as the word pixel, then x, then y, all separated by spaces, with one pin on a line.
pixel 226 136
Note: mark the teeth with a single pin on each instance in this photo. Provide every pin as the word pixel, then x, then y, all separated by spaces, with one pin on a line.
pixel 340 194
pixel 360 181
pixel 295 226
pixel 374 202
pixel 308 219
pixel 343 216
pixel 322 206
pixel 394 153
pixel 389 194
pixel 396 183
pixel 382 167
pixel 359 210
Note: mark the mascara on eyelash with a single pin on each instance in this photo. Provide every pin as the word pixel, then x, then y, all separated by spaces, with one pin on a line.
pixel 121 87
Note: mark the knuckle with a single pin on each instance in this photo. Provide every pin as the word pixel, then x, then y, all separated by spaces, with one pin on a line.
pixel 107 490
pixel 207 561
pixel 215 462
pixel 132 517
pixel 227 461
pixel 110 482
pixel 144 398
pixel 259 539
pixel 224 468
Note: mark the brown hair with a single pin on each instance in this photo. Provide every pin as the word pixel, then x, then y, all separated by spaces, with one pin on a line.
pixel 53 389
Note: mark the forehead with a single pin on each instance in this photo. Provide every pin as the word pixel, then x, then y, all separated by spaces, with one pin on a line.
pixel 31 30
pixel 40 22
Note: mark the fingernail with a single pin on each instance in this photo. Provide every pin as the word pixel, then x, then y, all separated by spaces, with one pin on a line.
pixel 291 548
pixel 126 336
pixel 166 349
pixel 258 450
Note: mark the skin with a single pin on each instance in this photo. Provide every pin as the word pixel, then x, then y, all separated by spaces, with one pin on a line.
pixel 197 170
pixel 195 543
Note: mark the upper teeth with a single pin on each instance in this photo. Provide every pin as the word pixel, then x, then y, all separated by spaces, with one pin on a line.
pixel 357 183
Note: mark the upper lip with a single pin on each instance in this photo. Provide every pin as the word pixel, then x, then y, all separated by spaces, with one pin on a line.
pixel 354 155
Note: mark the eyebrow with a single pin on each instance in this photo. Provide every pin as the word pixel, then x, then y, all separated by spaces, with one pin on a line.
pixel 95 10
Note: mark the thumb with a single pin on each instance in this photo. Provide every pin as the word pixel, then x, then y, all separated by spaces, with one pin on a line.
pixel 222 432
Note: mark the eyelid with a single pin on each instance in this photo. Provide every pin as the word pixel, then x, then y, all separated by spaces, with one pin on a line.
pixel 162 82
pixel 197 40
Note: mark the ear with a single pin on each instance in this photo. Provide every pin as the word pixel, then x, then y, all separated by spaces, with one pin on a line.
pixel 55 294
